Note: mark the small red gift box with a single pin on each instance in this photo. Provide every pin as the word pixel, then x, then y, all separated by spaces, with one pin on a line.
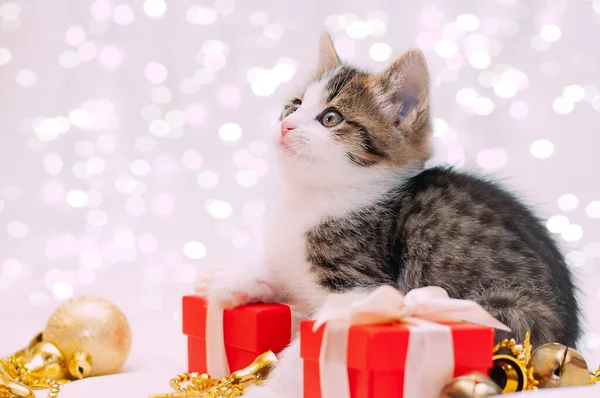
pixel 377 355
pixel 248 330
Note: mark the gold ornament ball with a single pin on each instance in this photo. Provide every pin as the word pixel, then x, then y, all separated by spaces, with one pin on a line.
pixel 555 365
pixel 471 385
pixel 93 326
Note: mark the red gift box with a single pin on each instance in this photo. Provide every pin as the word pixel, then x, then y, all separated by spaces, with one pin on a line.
pixel 249 331
pixel 377 354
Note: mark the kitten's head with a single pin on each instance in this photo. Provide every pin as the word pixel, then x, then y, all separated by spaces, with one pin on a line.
pixel 348 124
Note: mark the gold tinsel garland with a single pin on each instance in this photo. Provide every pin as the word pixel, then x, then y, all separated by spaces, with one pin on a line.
pixel 18 382
pixel 202 385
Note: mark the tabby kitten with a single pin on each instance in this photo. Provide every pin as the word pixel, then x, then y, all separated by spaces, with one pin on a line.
pixel 360 211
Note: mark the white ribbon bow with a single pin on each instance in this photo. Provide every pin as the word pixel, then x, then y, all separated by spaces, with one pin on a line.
pixel 429 346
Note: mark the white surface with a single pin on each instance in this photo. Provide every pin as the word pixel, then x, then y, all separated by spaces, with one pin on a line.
pixel 143 383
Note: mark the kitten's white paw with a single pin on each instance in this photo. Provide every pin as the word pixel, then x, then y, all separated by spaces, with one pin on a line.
pixel 232 288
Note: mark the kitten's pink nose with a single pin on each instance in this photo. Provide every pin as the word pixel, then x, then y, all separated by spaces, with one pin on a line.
pixel 286 128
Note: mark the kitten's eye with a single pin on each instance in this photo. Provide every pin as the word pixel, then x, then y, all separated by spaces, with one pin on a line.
pixel 331 119
pixel 291 108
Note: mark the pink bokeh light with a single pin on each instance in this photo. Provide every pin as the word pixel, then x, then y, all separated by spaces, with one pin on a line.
pixel 450 138
pixel 155 72
pixel 455 62
pixel 259 166
pixel 432 17
pixel 101 10
pixel 52 249
pixel 455 156
pixel 54 192
pixel 112 253
pixel 87 51
pixel 214 62
pixel 164 164
pixel 66 245
pixel 345 47
pixel 129 255
pixel 426 40
pixel 240 239
pixel 69 244
pixel 147 243
pixel 492 158
pixel 491 26
pixel 11 267
pixel 172 258
pixel 135 206
pixel 195 114
pixel 123 15
pixel 230 95
pixel 94 199
pixel 53 276
pixel 86 276
pixel 519 110
pixel 53 163
pixel 242 158
pixel 75 35
pixel 106 143
pixel 186 273
pixel 163 205
pixel 87 243
pixel 110 57
pixel 191 159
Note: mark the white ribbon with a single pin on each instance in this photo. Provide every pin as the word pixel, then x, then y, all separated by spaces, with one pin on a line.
pixel 429 345
pixel 217 365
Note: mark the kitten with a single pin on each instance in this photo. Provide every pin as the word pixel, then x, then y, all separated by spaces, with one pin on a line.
pixel 361 211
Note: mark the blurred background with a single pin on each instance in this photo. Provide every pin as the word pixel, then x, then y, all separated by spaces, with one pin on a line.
pixel 133 135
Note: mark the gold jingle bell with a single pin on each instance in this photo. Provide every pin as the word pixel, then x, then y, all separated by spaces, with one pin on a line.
pixel 45 360
pixel 510 374
pixel 9 388
pixel 510 370
pixel 471 385
pixel 556 365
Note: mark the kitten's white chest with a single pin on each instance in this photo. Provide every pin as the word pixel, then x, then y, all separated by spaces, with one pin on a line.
pixel 285 250
pixel 285 242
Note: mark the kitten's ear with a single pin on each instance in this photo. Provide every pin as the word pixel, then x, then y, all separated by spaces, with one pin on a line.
pixel 328 58
pixel 405 87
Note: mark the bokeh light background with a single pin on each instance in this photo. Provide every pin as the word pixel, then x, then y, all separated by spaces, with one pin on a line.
pixel 133 134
